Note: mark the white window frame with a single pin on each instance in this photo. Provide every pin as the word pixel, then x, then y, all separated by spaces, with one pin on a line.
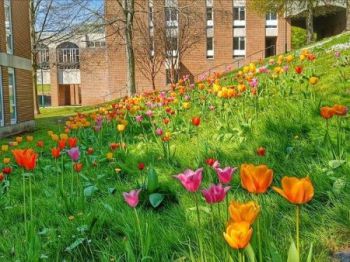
pixel 210 23
pixel 239 51
pixel 12 71
pixel 239 22
pixel 271 23
pixel 171 22
pixel 210 52
pixel 2 120
pixel 8 27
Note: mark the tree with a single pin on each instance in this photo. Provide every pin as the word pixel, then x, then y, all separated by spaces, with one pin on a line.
pixel 53 21
pixel 291 7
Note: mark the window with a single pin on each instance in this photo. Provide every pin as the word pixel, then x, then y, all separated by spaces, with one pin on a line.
pixel 12 95
pixel 271 20
pixel 1 103
pixel 210 47
pixel 8 27
pixel 43 57
pixel 210 16
pixel 171 16
pixel 68 55
pixel 239 16
pixel 238 46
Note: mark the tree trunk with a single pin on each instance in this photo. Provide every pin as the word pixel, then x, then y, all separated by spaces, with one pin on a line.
pixel 33 57
pixel 348 16
pixel 310 22
pixel 153 83
pixel 129 15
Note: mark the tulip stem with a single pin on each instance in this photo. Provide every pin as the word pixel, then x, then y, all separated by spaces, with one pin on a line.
pixel 24 207
pixel 240 255
pixel 297 228
pixel 139 228
pixel 259 241
pixel 30 197
pixel 197 209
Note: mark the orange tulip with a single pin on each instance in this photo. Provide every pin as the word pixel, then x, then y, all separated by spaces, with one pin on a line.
pixel 327 112
pixel 25 158
pixel 256 179
pixel 340 110
pixel 238 235
pixel 78 167
pixel 296 190
pixel 243 212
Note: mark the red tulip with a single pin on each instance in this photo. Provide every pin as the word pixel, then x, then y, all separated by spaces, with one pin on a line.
pixel 7 170
pixel 72 141
pixel 114 146
pixel 62 143
pixel 78 167
pixel 2 177
pixel 90 151
pixel 40 143
pixel 210 161
pixel 196 121
pixel 298 70
pixel 25 158
pixel 261 151
pixel 141 166
pixel 166 121
pixel 55 152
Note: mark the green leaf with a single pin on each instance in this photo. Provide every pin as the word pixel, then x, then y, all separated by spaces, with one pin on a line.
pixel 250 253
pixel 338 185
pixel 156 199
pixel 309 256
pixel 336 163
pixel 152 180
pixel 90 190
pixel 293 255
pixel 275 256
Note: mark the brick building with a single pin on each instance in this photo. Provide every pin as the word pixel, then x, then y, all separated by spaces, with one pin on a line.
pixel 230 35
pixel 16 92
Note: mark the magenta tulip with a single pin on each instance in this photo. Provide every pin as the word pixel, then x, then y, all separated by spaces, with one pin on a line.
pixel 132 198
pixel 191 180
pixel 225 174
pixel 74 153
pixel 215 193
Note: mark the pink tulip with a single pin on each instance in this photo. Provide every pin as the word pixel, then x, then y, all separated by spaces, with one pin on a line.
pixel 138 118
pixel 159 131
pixel 215 193
pixel 191 180
pixel 216 165
pixel 225 174
pixel 74 153
pixel 132 198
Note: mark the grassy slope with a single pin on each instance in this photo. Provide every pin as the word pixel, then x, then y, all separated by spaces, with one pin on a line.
pixel 291 130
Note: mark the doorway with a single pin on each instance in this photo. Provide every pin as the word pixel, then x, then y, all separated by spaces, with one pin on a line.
pixel 270 45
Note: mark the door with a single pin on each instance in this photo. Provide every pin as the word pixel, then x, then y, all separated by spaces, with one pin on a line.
pixel 270 45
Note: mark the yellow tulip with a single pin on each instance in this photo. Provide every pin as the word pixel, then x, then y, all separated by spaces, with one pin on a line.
pixel 243 212
pixel 121 127
pixel 238 235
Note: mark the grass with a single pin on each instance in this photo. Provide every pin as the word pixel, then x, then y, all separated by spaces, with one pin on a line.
pixel 93 223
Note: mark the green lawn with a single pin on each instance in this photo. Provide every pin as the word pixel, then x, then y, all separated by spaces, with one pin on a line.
pixel 83 216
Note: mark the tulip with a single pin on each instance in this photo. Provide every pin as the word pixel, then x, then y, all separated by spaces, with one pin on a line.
pixel 243 212
pixel 225 174
pixel 159 131
pixel 340 110
pixel 40 143
pixel 121 127
pixel 74 153
pixel 2 177
pixel 313 80
pixel 4 148
pixel 62 143
pixel 210 161
pixel 7 170
pixel 196 121
pixel 256 179
pixel 132 198
pixel 295 190
pixel 141 166
pixel 29 138
pixel 238 235
pixel 90 151
pixel 215 193
pixel 109 155
pixel 25 158
pixel 261 151
pixel 191 180
pixel 55 152
pixel 298 69
pixel 139 118
pixel 19 139
pixel 6 160
pixel 72 142
pixel 78 167
pixel 327 112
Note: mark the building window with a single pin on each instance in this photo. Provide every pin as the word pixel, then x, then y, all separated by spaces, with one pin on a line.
pixel 239 16
pixel 1 102
pixel 271 20
pixel 238 46
pixel 43 57
pixel 210 17
pixel 12 95
pixel 8 27
pixel 68 56
pixel 171 16
pixel 210 47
